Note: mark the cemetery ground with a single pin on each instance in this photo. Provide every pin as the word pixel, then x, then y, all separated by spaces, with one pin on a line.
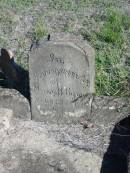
pixel 105 24
pixel 96 142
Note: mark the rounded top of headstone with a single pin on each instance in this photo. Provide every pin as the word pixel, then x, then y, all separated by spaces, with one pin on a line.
pixel 70 38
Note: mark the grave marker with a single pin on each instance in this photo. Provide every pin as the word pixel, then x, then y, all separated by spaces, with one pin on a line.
pixel 61 77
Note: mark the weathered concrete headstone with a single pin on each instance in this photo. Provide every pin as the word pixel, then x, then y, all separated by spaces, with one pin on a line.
pixel 13 104
pixel 61 78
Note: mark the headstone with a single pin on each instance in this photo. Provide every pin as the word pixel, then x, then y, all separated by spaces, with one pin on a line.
pixel 14 104
pixel 61 78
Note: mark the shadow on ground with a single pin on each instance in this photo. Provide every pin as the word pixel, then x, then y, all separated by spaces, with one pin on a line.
pixel 115 159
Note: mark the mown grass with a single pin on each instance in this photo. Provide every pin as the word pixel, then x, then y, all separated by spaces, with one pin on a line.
pixel 111 43
pixel 77 5
pixel 17 4
pixel 10 12
pixel 59 4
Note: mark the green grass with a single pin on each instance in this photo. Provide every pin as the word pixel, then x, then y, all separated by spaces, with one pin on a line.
pixel 111 77
pixel 21 57
pixel 70 24
pixel 113 30
pixel 3 41
pixel 110 41
pixel 40 28
pixel 17 4
pixel 79 5
pixel 60 4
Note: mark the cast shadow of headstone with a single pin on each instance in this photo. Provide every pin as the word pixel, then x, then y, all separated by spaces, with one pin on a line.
pixel 12 75
pixel 115 159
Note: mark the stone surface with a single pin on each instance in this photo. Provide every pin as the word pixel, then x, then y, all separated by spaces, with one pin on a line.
pixel 61 78
pixel 13 104
pixel 30 147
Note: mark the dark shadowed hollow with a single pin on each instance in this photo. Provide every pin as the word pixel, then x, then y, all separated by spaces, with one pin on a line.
pixel 115 159
pixel 22 86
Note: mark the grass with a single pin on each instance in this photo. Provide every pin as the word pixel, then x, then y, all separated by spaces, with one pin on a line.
pixel 111 43
pixel 17 4
pixel 21 57
pixel 113 30
pixel 111 78
pixel 60 4
pixel 79 5
pixel 70 24
pixel 40 28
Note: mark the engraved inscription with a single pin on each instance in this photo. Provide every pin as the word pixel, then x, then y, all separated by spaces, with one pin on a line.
pixel 60 92
pixel 60 72
pixel 54 59
pixel 56 91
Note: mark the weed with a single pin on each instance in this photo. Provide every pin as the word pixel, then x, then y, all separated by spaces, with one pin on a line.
pixel 40 28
